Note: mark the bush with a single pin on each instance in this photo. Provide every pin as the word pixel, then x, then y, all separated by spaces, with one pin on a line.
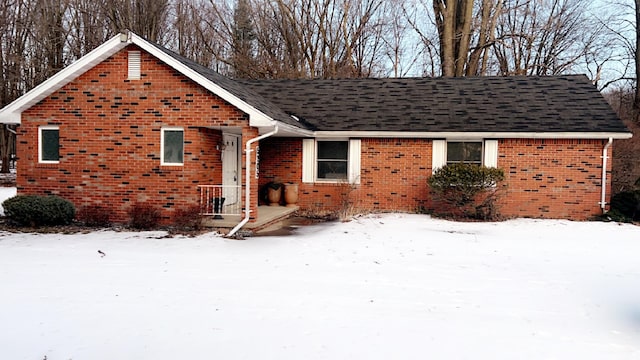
pixel 36 210
pixel 98 216
pixel 626 205
pixel 188 219
pixel 143 217
pixel 466 190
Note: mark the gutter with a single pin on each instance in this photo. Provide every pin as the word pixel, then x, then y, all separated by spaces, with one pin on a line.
pixel 247 183
pixel 463 135
pixel 603 194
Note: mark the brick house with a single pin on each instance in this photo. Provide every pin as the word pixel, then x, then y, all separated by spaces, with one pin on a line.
pixel 132 122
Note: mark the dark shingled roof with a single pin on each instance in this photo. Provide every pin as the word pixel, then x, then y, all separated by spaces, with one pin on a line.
pixel 471 104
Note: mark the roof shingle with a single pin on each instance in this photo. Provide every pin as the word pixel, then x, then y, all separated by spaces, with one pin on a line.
pixel 474 104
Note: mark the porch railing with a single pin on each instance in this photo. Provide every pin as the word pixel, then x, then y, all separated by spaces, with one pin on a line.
pixel 220 200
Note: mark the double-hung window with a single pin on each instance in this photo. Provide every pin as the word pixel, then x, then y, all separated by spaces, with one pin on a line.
pixel 331 160
pixel 49 144
pixel 172 146
pixel 484 152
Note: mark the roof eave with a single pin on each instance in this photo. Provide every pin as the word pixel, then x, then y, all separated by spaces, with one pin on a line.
pixel 287 130
pixel 461 135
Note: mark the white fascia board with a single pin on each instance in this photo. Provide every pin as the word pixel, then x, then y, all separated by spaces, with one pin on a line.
pixel 459 135
pixel 256 117
pixel 290 130
pixel 12 113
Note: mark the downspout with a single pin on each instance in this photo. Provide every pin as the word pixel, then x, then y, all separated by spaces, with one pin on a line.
pixel 603 194
pixel 247 181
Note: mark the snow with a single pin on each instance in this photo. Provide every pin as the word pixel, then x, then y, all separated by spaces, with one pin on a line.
pixel 393 286
pixel 5 193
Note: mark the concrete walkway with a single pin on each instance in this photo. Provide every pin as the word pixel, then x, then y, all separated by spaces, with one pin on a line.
pixel 267 217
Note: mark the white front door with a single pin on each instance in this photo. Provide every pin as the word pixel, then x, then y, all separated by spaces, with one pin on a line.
pixel 230 169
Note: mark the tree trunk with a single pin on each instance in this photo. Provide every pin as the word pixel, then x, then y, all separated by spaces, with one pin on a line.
pixel 636 100
pixel 5 148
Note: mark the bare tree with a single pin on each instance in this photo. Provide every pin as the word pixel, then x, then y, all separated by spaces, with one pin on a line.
pixel 465 35
pixel 418 14
pixel 244 38
pixel 636 100
pixel 15 25
pixel 147 18
pixel 87 27
pixel 546 37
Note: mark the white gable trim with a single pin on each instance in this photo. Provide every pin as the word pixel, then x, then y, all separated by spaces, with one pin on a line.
pixel 12 113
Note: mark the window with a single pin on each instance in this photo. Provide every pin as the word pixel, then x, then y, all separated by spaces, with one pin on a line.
pixel 49 144
pixel 474 152
pixel 464 152
pixel 333 157
pixel 172 146
pixel 331 161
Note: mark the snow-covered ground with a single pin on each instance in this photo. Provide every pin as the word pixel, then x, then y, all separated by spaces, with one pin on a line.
pixel 5 193
pixel 393 286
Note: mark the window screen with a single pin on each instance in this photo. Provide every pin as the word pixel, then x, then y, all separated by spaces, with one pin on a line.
pixel 332 159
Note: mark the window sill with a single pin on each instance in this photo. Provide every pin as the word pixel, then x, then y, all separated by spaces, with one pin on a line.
pixel 47 165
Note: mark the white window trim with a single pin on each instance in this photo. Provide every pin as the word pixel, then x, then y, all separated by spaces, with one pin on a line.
pixel 40 148
pixel 490 153
pixel 162 131
pixel 310 161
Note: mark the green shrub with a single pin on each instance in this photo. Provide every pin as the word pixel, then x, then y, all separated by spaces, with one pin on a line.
pixel 466 191
pixel 626 204
pixel 144 216
pixel 36 210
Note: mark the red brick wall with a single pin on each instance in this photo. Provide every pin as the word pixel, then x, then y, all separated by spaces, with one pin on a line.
pixel 110 138
pixel 393 175
pixel 545 178
pixel 553 178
